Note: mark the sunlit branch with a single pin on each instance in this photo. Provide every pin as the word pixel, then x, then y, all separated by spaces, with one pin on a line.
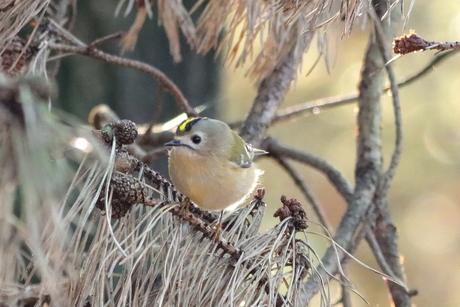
pixel 105 39
pixel 334 176
pixel 369 160
pixel 168 85
pixel 385 248
pixel 270 94
pixel 319 105
pixel 396 156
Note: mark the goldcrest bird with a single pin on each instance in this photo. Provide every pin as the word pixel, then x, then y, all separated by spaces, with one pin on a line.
pixel 211 164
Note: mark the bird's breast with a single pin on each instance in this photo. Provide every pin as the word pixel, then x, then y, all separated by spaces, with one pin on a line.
pixel 210 183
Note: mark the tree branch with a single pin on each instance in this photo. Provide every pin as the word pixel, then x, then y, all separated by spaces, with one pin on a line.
pixel 385 231
pixel 105 39
pixel 346 297
pixel 396 156
pixel 426 69
pixel 270 95
pixel 316 106
pixel 168 85
pixel 369 159
pixel 337 180
pixel 319 105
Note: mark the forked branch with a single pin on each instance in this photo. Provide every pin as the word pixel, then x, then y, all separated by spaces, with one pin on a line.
pixel 369 156
pixel 165 82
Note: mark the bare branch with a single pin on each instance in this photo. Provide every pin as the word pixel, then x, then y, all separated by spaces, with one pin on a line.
pixel 377 251
pixel 334 176
pixel 413 42
pixel 319 105
pixel 313 107
pixel 428 68
pixel 137 65
pixel 307 108
pixel 381 38
pixel 105 39
pixel 73 15
pixel 270 95
pixel 385 231
pixel 369 158
pixel 346 297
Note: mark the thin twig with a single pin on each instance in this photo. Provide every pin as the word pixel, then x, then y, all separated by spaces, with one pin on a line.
pixel 313 107
pixel 319 105
pixel 316 106
pixel 428 68
pixel 73 16
pixel 307 192
pixel 169 85
pixel 105 39
pixel 346 297
pixel 338 181
pixel 29 41
pixel 380 256
pixel 306 108
pixel 396 156
pixel 377 251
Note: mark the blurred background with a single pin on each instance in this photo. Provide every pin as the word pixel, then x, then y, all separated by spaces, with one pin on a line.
pixel 425 196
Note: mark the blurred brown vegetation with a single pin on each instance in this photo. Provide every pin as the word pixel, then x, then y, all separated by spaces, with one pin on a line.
pixel 425 197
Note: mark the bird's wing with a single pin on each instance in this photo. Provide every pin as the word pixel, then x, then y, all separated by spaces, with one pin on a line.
pixel 242 153
pixel 258 152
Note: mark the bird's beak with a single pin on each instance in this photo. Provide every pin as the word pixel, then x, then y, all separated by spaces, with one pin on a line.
pixel 174 142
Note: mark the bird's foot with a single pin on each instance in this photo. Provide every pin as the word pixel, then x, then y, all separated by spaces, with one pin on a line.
pixel 185 208
pixel 217 236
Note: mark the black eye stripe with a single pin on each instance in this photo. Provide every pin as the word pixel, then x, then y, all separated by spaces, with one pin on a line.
pixel 196 139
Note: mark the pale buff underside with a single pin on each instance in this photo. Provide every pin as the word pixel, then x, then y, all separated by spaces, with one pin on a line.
pixel 219 187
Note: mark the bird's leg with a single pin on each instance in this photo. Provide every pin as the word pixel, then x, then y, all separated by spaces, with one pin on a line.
pixel 186 204
pixel 218 234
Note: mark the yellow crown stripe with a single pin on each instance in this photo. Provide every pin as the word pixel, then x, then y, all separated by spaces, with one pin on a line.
pixel 183 126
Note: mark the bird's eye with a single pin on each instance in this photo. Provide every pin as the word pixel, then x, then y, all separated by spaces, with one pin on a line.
pixel 196 139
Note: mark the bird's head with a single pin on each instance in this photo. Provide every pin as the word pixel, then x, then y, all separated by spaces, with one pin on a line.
pixel 202 136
